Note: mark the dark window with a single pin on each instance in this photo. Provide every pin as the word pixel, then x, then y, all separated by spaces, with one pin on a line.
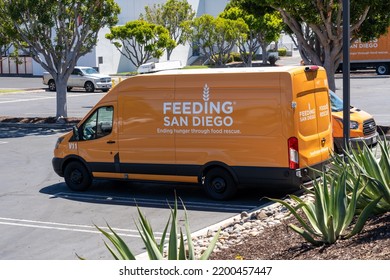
pixel 76 72
pixel 99 124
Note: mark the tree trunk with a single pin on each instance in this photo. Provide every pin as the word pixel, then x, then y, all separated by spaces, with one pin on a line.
pixel 62 110
pixel 169 52
pixel 264 54
pixel 330 73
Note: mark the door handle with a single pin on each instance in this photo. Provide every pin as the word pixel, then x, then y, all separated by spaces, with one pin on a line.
pixel 110 142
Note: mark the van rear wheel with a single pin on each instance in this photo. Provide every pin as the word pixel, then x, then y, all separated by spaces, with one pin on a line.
pixel 219 184
pixel 77 176
pixel 382 69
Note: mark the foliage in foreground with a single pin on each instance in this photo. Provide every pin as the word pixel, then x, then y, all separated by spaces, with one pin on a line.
pixel 375 173
pixel 330 215
pixel 177 248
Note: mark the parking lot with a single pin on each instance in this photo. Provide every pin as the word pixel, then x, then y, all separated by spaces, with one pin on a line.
pixel 41 218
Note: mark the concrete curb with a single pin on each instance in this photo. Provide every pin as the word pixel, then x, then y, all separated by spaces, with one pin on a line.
pixel 37 125
pixel 19 90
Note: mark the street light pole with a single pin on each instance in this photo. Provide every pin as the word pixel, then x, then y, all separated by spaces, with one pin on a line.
pixel 346 74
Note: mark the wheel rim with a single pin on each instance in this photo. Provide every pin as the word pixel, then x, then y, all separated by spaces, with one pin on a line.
pixel 89 87
pixel 76 177
pixel 52 86
pixel 382 70
pixel 218 185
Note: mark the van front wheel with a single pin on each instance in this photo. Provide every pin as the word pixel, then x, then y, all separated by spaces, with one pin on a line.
pixel 77 176
pixel 219 184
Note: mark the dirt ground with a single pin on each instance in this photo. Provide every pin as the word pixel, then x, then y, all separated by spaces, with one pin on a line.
pixel 282 243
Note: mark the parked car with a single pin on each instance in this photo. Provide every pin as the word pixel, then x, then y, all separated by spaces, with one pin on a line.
pixel 84 77
pixel 362 125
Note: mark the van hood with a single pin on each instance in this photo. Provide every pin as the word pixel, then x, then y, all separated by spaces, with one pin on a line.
pixel 356 115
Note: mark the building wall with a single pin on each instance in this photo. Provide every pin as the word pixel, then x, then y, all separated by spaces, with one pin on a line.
pixel 112 60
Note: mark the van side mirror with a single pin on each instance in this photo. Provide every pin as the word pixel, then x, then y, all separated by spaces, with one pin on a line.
pixel 76 133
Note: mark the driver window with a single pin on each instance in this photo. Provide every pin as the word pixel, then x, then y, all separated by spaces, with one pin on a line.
pixel 76 72
pixel 99 124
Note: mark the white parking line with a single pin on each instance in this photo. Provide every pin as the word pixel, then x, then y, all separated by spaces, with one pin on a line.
pixel 3 142
pixel 65 227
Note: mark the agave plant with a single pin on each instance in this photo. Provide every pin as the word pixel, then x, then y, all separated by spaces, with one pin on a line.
pixel 331 213
pixel 177 248
pixel 373 170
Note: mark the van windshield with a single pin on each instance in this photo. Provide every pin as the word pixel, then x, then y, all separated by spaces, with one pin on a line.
pixel 336 102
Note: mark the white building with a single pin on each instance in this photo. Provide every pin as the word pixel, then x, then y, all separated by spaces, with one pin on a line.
pixel 109 59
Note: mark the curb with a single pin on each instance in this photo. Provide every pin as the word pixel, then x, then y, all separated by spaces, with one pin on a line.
pixel 19 90
pixel 37 125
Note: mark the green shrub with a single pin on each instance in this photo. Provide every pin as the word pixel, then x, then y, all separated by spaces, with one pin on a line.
pixel 374 173
pixel 331 213
pixel 175 249
pixel 282 51
pixel 272 59
pixel 235 57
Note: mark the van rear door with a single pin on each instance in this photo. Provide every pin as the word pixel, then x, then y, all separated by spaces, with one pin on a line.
pixel 313 118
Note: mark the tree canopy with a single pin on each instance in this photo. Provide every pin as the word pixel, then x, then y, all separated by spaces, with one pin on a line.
pixel 215 37
pixel 318 27
pixel 139 41
pixel 57 33
pixel 172 14
pixel 264 27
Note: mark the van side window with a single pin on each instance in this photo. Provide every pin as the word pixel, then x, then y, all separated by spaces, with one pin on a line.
pixel 99 124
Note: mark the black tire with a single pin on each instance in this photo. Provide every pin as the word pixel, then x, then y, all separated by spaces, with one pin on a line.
pixel 89 87
pixel 219 184
pixel 52 85
pixel 382 69
pixel 77 176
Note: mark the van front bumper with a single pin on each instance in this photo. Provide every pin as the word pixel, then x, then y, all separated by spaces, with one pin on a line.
pixel 57 166
pixel 358 142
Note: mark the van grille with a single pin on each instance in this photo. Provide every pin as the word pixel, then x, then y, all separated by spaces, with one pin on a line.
pixel 369 127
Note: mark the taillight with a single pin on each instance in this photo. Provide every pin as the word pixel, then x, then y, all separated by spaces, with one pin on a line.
pixel 311 68
pixel 293 153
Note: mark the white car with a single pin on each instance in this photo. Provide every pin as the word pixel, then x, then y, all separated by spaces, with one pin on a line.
pixel 82 76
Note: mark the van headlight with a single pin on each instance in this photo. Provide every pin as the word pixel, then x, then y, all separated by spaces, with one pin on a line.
pixel 353 125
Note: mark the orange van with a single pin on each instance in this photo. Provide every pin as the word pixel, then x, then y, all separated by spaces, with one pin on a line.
pixel 220 128
pixel 362 125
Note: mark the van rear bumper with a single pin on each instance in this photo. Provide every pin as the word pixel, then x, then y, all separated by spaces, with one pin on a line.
pixel 282 177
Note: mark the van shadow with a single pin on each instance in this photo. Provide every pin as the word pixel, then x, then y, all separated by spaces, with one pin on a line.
pixel 154 195
pixel 16 131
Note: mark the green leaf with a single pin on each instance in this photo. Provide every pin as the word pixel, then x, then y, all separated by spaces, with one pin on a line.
pixel 120 245
pixel 191 251
pixel 182 248
pixel 173 247
pixel 306 235
pixel 367 211
pixel 206 254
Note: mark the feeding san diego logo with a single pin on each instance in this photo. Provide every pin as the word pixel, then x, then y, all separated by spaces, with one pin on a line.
pixel 197 114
